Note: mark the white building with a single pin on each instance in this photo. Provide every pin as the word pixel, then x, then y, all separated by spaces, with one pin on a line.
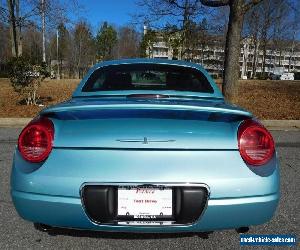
pixel 211 57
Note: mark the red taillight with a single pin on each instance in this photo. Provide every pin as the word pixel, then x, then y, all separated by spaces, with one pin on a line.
pixel 256 144
pixel 35 141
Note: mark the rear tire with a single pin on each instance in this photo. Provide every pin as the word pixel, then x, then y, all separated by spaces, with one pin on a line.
pixel 42 227
pixel 242 230
pixel 204 235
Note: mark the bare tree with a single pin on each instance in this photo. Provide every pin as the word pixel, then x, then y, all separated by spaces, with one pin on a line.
pixel 12 15
pixel 83 48
pixel 295 33
pixel 282 31
pixel 52 13
pixel 32 44
pixel 128 43
pixel 19 28
pixel 13 27
pixel 180 15
pixel 253 25
pixel 200 39
pixel 274 22
pixel 267 10
pixel 238 9
pixel 5 51
pixel 43 16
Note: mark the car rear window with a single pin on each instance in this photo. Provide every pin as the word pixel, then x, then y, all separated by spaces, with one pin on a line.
pixel 147 77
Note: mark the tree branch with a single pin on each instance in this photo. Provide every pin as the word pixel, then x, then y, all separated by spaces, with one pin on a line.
pixel 215 3
pixel 176 4
pixel 251 4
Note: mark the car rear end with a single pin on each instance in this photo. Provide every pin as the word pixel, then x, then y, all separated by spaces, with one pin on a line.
pixel 145 164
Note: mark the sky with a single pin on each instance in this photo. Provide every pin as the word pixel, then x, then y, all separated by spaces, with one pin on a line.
pixel 116 12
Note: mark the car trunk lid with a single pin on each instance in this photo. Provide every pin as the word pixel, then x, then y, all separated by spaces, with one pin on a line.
pixel 144 125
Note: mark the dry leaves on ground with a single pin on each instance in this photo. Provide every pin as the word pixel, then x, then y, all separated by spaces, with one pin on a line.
pixel 265 99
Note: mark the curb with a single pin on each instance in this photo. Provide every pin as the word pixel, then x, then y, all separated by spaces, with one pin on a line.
pixel 270 124
pixel 14 122
pixel 282 124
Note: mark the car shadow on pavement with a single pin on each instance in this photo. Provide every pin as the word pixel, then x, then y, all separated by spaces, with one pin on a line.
pixel 123 235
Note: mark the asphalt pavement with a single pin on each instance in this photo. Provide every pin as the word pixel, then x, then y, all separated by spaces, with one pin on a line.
pixel 15 233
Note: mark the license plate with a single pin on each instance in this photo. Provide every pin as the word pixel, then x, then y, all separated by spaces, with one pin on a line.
pixel 145 203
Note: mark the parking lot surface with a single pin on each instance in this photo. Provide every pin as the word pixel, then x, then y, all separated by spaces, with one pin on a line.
pixel 17 233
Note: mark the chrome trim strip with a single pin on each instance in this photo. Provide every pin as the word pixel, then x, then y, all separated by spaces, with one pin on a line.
pixel 145 140
pixel 168 184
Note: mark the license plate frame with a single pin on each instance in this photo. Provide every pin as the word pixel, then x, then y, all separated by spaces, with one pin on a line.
pixel 143 216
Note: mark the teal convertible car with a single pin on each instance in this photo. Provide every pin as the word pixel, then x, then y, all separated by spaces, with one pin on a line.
pixel 145 146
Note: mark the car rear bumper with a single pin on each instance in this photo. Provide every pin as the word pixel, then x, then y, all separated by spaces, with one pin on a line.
pixel 62 211
pixel 239 195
